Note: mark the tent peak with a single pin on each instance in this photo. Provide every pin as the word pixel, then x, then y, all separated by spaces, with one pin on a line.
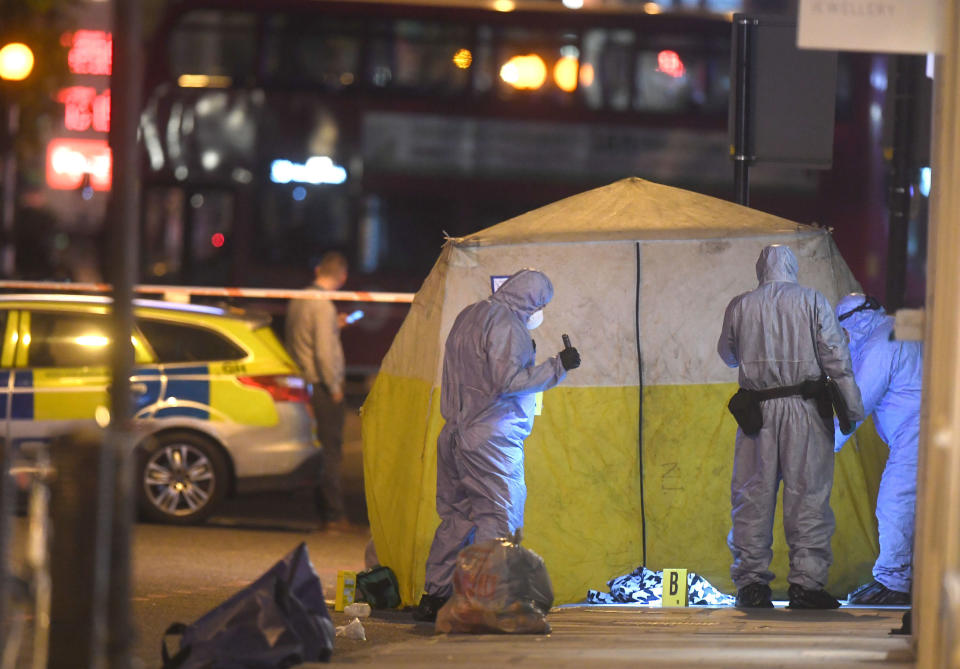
pixel 633 209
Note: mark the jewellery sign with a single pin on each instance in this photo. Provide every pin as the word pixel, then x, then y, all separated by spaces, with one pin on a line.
pixel 889 26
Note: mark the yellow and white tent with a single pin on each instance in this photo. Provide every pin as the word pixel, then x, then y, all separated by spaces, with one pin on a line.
pixel 630 461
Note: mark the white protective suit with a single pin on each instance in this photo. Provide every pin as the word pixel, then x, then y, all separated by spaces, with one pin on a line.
pixel 889 374
pixel 487 400
pixel 781 334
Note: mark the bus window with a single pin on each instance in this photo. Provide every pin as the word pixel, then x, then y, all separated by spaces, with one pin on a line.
pixel 667 82
pixel 483 65
pixel 210 218
pixel 418 56
pixel 163 232
pixel 212 43
pixel 204 133
pixel 191 229
pixel 608 58
pixel 310 50
pixel 717 76
pixel 298 219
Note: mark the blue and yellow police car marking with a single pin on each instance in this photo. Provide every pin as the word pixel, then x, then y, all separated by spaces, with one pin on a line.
pixel 147 384
pixel 191 386
pixel 4 393
pixel 21 405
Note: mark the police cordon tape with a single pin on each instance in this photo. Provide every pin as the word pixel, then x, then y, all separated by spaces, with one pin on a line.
pixel 177 293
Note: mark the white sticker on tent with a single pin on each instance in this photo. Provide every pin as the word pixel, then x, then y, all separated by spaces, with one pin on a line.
pixel 496 282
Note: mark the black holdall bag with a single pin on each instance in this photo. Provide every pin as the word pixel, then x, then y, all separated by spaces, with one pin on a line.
pixel 378 587
pixel 278 621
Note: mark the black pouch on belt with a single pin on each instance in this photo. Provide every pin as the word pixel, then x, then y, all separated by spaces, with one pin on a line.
pixel 839 404
pixel 745 407
pixel 817 390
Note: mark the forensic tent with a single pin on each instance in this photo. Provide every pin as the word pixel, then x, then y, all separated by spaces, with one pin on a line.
pixel 630 461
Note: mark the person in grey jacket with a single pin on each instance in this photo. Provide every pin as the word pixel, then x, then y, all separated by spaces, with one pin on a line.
pixel 313 339
pixel 487 400
pixel 780 335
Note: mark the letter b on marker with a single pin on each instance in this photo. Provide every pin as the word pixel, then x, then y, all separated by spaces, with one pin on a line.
pixel 674 587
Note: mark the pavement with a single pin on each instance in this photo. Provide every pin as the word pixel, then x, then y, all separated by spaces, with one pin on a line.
pixel 614 636
pixel 633 636
pixel 213 561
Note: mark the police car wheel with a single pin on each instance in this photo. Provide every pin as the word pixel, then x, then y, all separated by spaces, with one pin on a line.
pixel 183 477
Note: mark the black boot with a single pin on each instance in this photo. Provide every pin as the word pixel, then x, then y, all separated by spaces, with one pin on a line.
pixel 907 626
pixel 426 610
pixel 754 596
pixel 877 593
pixel 803 598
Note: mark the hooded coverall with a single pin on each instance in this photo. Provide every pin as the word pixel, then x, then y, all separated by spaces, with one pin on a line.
pixel 487 400
pixel 781 334
pixel 889 374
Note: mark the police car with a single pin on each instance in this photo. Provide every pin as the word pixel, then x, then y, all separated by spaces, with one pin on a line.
pixel 220 407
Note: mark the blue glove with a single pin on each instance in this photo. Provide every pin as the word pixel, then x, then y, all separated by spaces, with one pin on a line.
pixel 839 438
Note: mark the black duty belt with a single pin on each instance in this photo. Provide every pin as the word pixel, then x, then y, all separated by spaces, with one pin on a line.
pixel 745 404
pixel 808 390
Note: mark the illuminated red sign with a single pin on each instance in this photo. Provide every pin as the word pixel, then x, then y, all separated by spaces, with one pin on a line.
pixel 77 106
pixel 101 112
pixel 84 109
pixel 69 159
pixel 90 52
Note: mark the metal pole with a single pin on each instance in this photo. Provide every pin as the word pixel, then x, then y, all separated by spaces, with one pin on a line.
pixel 11 128
pixel 79 576
pixel 8 134
pixel 6 516
pixel 742 151
pixel 125 87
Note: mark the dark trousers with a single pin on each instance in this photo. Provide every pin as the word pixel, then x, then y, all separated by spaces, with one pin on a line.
pixel 329 416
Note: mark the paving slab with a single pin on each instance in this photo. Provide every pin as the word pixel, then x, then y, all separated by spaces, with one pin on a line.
pixel 632 636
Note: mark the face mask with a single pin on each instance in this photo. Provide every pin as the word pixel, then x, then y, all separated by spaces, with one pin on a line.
pixel 535 319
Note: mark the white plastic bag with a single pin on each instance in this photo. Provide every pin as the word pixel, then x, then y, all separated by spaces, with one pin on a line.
pixel 357 610
pixel 353 630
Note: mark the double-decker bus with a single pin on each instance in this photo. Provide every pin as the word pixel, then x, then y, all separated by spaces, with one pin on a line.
pixel 276 129
pixel 280 128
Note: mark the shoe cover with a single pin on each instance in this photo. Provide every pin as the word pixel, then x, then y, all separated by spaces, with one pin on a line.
pixel 426 610
pixel 754 596
pixel 803 598
pixel 876 593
